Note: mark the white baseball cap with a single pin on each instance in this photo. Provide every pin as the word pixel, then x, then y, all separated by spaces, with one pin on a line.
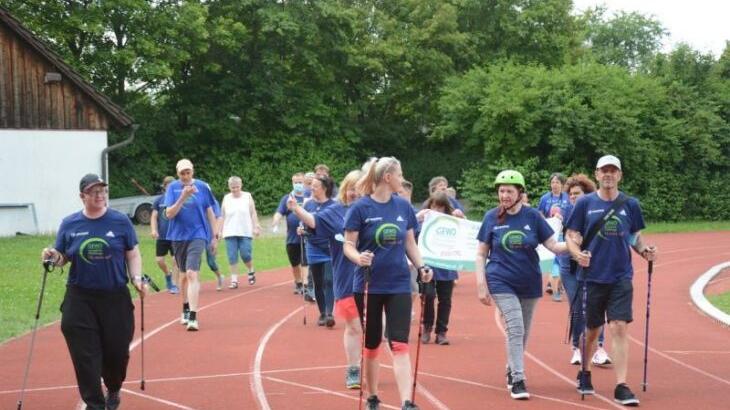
pixel 183 164
pixel 608 160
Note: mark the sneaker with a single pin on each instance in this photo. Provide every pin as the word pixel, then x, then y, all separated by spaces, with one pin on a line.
pixel 519 391
pixel 309 298
pixel 233 285
pixel 352 377
pixel 557 296
pixel 426 336
pixel 192 325
pixel 600 358
pixel 373 403
pixel 184 317
pixel 622 394
pixel 219 285
pixel 174 290
pixel 322 320
pixel 251 278
pixel 585 386
pixel 113 400
pixel 576 358
pixel 549 289
pixel 409 405
pixel 509 379
pixel 441 339
pixel 329 321
pixel 298 289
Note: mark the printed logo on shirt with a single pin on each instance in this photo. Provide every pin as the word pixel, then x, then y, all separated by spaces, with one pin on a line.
pixel 339 238
pixel 623 212
pixel 500 227
pixel 374 219
pixel 94 249
pixel 611 228
pixel 399 219
pixel 527 228
pixel 596 211
pixel 110 234
pixel 387 235
pixel 513 240
pixel 75 234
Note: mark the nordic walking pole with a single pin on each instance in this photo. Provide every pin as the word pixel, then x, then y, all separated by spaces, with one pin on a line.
pixel 424 287
pixel 367 273
pixel 145 280
pixel 646 328
pixel 305 289
pixel 47 267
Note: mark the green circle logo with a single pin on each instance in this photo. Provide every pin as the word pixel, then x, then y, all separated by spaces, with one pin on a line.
pixel 512 240
pixel 386 235
pixel 93 249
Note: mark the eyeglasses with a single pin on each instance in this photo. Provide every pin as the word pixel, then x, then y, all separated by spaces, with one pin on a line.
pixel 97 192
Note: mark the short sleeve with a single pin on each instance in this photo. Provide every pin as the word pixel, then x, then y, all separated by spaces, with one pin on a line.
pixel 637 217
pixel 61 238
pixel 485 231
pixel 170 195
pixel 412 221
pixel 353 219
pixel 544 230
pixel 216 207
pixel 130 235
pixel 576 221
pixel 324 222
pixel 282 209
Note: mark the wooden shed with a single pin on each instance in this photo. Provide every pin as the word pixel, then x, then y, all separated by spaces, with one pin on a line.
pixel 53 130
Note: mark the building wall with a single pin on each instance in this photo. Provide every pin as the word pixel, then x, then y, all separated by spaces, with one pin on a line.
pixel 44 167
pixel 28 101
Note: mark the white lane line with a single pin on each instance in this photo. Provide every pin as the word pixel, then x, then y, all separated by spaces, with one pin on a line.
pixel 697 352
pixel 681 363
pixel 697 294
pixel 550 369
pixel 158 400
pixel 502 389
pixel 321 390
pixel 257 386
pixel 430 397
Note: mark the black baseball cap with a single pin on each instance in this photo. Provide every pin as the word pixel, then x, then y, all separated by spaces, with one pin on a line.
pixel 90 180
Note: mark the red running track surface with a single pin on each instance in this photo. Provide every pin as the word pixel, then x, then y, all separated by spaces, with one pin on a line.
pixel 254 352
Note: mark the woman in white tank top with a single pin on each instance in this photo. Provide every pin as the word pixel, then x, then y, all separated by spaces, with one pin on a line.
pixel 240 225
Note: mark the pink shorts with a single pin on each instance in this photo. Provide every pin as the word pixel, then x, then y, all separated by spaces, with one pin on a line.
pixel 346 309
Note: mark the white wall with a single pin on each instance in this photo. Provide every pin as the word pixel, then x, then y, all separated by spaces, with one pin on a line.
pixel 45 167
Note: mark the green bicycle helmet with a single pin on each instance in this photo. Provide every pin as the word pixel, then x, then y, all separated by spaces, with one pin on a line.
pixel 509 177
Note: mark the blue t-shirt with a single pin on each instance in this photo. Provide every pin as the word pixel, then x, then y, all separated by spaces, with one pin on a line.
pixel 382 229
pixel 96 249
pixel 548 201
pixel 444 274
pixel 514 265
pixel 329 222
pixel 192 220
pixel 292 222
pixel 564 258
pixel 162 221
pixel 611 247
pixel 317 245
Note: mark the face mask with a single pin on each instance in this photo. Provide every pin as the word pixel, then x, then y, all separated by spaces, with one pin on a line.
pixel 298 188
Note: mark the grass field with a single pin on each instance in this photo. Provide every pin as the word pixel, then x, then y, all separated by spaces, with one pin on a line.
pixel 721 301
pixel 21 274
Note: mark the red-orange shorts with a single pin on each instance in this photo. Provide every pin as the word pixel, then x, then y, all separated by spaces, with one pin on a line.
pixel 346 309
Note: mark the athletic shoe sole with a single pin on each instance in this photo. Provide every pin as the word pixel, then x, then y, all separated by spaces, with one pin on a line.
pixel 586 392
pixel 628 402
pixel 520 396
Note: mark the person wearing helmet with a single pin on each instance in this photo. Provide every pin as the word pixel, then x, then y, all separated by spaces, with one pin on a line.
pixel 509 236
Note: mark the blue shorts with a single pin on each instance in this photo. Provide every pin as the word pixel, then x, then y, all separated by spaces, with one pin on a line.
pixel 555 272
pixel 610 302
pixel 238 245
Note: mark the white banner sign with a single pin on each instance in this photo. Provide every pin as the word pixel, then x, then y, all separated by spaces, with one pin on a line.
pixel 451 243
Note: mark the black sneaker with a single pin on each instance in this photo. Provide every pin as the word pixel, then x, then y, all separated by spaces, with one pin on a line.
pixel 519 391
pixel 329 321
pixel 585 386
pixel 251 278
pixel 113 400
pixel 622 394
pixel 409 405
pixel 373 403
pixel 308 297
pixel 322 320
pixel 509 379
pixel 549 289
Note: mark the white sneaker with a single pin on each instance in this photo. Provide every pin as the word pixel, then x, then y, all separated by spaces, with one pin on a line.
pixel 192 325
pixel 576 359
pixel 184 318
pixel 600 358
pixel 219 286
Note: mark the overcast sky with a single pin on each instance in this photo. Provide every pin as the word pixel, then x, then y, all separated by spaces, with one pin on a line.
pixel 703 24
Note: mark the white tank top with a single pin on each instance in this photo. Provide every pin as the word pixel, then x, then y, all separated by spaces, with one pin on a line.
pixel 237 220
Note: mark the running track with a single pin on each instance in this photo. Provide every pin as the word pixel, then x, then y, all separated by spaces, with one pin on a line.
pixel 254 352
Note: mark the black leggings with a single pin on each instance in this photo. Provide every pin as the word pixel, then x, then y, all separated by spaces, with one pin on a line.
pixel 444 289
pixel 397 313
pixel 323 286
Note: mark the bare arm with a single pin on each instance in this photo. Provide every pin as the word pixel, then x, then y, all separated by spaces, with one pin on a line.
pixel 153 225
pixel 571 240
pixel 481 261
pixel 172 211
pixel 134 269
pixel 555 246
pixel 303 215
pixel 646 251
pixel 254 216
pixel 415 256
pixel 350 250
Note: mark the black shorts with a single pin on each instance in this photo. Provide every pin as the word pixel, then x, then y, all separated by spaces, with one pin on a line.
pixel 397 309
pixel 294 252
pixel 609 302
pixel 163 247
